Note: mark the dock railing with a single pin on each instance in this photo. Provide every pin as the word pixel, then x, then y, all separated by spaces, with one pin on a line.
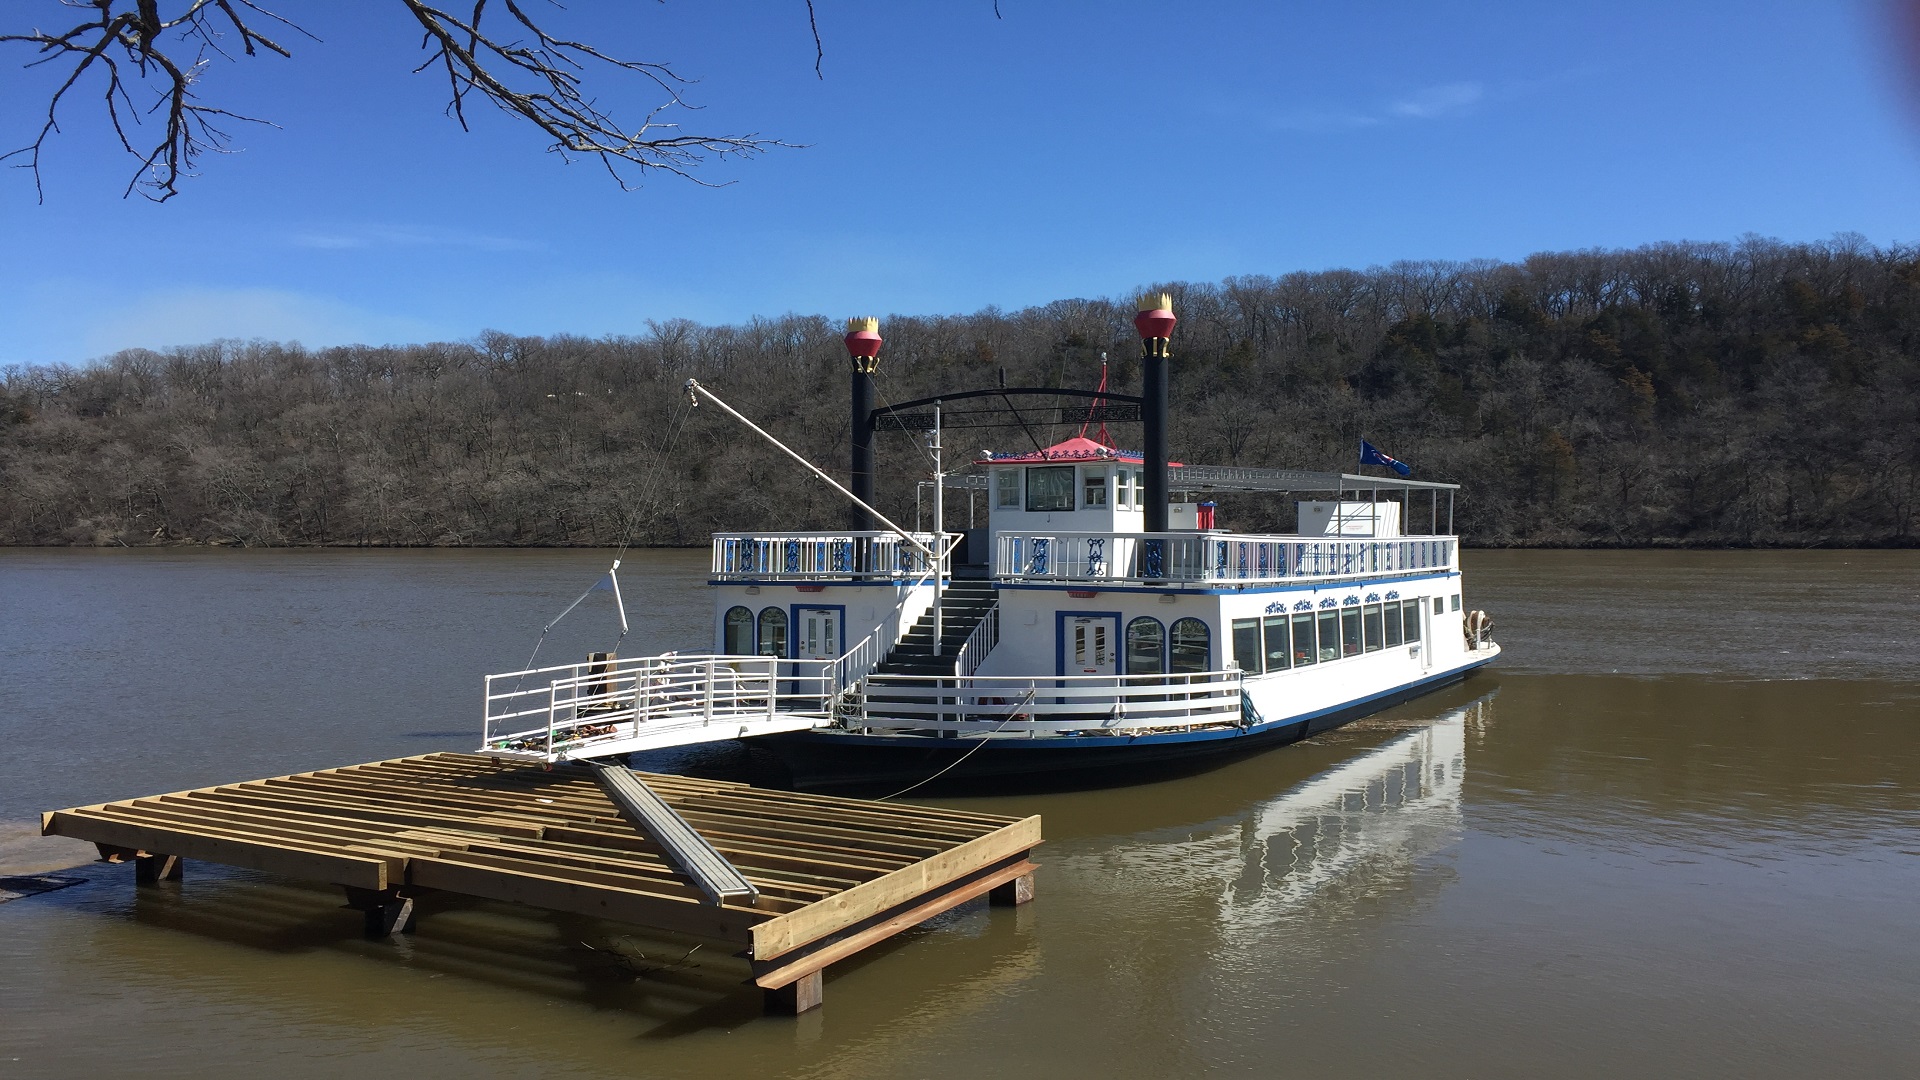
pixel 1212 558
pixel 1085 704
pixel 575 710
pixel 843 556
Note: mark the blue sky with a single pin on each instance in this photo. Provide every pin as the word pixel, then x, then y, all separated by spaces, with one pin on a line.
pixel 955 161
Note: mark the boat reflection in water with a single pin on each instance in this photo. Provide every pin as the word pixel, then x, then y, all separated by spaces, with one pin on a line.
pixel 1351 842
pixel 1360 824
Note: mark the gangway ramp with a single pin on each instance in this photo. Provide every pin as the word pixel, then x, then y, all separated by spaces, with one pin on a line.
pixel 687 850
pixel 832 875
pixel 601 709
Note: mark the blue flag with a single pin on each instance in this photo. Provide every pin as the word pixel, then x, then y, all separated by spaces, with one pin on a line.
pixel 1371 455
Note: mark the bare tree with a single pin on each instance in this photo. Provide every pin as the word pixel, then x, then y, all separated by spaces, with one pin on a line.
pixel 512 62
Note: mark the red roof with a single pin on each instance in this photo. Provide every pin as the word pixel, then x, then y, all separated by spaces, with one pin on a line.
pixel 1074 449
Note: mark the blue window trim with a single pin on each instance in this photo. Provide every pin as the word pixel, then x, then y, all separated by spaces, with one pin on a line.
pixel 753 627
pixel 1210 637
pixel 793 626
pixel 1126 643
pixel 1060 635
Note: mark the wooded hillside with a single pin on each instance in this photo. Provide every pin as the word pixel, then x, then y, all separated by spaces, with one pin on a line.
pixel 1757 393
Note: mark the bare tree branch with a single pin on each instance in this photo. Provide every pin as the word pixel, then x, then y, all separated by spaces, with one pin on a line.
pixel 525 72
pixel 553 70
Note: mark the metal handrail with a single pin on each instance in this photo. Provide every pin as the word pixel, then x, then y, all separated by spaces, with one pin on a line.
pixel 818 556
pixel 1089 704
pixel 973 652
pixel 1213 557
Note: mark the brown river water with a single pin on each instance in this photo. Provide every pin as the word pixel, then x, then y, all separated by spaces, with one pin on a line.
pixel 1676 832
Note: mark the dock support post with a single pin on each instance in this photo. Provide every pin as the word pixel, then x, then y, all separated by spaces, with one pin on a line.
pixel 801 995
pixel 153 869
pixel 1013 893
pixel 387 912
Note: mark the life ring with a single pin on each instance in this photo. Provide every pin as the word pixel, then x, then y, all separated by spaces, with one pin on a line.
pixel 1478 629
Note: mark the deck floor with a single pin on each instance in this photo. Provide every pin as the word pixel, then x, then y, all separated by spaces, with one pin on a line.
pixel 834 874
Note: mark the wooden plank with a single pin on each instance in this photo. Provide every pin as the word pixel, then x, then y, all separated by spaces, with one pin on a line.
pixel 598 901
pixel 816 960
pixel 364 872
pixel 317 842
pixel 789 932
pixel 756 855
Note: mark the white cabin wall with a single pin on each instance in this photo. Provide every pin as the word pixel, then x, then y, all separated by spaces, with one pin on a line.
pixel 1028 627
pixel 887 608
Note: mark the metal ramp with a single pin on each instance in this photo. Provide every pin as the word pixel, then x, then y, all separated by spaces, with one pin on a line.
pixel 687 850
pixel 608 707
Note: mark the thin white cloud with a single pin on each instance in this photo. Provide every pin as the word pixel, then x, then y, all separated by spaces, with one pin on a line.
pixel 1426 103
pixel 1432 101
pixel 190 316
pixel 361 237
pixel 1310 120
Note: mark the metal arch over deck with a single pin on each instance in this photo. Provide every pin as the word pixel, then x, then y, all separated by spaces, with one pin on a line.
pixel 833 875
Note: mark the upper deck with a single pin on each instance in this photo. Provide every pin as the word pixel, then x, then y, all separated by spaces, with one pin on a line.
pixel 1110 558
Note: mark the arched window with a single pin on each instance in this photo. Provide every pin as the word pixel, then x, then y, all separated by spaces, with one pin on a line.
pixel 773 632
pixel 1146 647
pixel 1191 646
pixel 736 637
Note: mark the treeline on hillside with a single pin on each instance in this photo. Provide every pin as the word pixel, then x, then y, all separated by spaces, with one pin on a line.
pixel 1758 393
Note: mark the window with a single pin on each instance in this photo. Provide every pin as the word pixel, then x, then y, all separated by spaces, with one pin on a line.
pixel 1329 636
pixel 1456 601
pixel 1303 652
pixel 1246 645
pixel 1279 653
pixel 773 632
pixel 1050 488
pixel 1139 493
pixel 1146 647
pixel 1439 605
pixel 1094 488
pixel 1123 488
pixel 1371 620
pixel 1006 488
pixel 1393 624
pixel 1350 631
pixel 1410 615
pixel 736 635
pixel 1191 647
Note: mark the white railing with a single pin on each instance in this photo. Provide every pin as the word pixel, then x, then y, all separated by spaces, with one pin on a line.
pixel 845 556
pixel 571 708
pixel 1077 704
pixel 1211 557
pixel 973 652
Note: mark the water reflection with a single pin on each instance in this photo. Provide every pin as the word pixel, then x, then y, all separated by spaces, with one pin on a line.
pixel 1318 849
pixel 1367 818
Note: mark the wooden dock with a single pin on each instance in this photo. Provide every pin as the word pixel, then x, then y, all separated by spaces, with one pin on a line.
pixel 833 875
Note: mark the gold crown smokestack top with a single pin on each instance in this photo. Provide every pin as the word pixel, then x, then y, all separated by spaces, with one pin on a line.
pixel 1155 323
pixel 863 350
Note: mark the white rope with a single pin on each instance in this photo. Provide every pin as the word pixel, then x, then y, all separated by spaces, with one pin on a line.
pixel 1021 704
pixel 694 387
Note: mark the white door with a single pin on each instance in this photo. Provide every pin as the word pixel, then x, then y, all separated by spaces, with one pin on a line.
pixel 819 634
pixel 1092 645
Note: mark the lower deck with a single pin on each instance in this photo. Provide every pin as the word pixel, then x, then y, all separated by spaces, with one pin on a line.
pixel 833 875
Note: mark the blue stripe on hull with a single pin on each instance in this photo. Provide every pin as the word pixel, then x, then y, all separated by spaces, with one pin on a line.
pixel 821 759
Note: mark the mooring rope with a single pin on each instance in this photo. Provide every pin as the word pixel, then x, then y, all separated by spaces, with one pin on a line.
pixel 1021 704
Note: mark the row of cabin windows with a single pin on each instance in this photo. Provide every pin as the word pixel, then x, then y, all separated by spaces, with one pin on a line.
pixel 742 634
pixel 1279 642
pixel 1154 649
pixel 1051 487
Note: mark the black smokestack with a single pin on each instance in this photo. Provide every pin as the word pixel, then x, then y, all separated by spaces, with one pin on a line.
pixel 1155 323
